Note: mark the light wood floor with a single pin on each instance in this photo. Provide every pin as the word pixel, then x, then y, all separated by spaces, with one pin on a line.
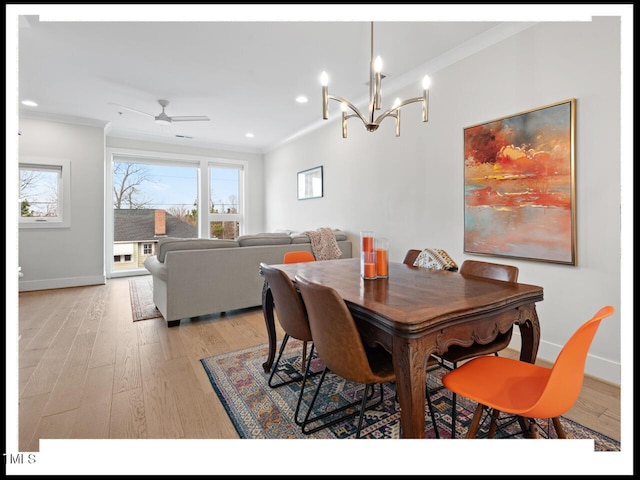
pixel 87 371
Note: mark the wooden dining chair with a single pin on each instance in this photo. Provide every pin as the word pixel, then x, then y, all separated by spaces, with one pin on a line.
pixel 524 389
pixel 434 258
pixel 410 257
pixel 340 347
pixel 293 318
pixel 299 256
pixel 456 353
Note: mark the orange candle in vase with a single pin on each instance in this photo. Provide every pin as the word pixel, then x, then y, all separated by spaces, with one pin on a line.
pixel 382 263
pixel 369 270
pixel 382 254
pixel 368 265
pixel 366 241
pixel 367 244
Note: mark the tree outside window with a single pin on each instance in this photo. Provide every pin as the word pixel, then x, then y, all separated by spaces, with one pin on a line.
pixel 44 192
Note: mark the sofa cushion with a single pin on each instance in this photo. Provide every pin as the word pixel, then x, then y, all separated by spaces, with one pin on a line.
pixel 264 239
pixel 170 244
pixel 300 238
pixel 340 235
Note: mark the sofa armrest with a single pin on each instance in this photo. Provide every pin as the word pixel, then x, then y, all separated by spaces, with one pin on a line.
pixel 155 267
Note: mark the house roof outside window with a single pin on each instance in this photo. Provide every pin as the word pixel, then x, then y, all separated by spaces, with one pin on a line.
pixel 139 225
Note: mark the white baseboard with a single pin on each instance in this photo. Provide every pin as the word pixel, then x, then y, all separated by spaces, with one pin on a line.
pixel 47 284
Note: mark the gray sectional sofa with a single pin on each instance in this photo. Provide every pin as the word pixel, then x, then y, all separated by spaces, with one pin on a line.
pixel 193 277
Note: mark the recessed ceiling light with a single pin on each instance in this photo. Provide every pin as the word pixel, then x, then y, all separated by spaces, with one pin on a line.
pixel 302 99
pixel 29 103
pixel 249 135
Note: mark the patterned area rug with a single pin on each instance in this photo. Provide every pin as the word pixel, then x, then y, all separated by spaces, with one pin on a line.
pixel 141 291
pixel 259 411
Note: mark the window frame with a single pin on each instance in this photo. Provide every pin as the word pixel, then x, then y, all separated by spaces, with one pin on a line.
pixel 119 154
pixel 238 217
pixel 63 219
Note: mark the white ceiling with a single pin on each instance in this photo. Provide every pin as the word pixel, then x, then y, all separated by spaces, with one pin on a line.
pixel 244 75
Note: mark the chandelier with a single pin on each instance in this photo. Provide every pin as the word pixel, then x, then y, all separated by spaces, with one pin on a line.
pixel 372 123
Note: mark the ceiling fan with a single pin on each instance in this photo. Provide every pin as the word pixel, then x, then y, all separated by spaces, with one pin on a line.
pixel 163 119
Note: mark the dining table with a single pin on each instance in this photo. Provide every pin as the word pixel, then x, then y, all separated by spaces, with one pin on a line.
pixel 416 312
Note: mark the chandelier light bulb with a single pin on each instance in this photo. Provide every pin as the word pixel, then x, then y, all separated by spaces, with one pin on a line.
pixel 397 102
pixel 324 79
pixel 377 64
pixel 426 82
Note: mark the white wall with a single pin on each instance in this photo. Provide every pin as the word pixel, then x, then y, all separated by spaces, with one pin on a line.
pixel 410 189
pixel 65 257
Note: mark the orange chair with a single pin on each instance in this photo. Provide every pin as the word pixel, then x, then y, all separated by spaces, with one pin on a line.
pixel 458 353
pixel 524 389
pixel 297 257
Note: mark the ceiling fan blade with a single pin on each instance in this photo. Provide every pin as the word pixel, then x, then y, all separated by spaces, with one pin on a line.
pixel 185 118
pixel 131 109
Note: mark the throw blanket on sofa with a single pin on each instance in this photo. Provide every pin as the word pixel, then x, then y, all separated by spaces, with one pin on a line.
pixel 323 244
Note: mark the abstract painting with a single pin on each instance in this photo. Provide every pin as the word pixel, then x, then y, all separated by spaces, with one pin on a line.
pixel 519 185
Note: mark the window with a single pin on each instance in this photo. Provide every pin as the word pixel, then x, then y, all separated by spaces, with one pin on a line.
pixel 151 199
pixel 44 193
pixel 151 195
pixel 225 200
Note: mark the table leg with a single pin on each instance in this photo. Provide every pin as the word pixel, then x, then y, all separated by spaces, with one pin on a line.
pixel 529 332
pixel 409 364
pixel 267 310
pixel 530 335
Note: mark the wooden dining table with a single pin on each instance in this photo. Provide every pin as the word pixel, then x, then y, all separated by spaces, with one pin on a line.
pixel 416 312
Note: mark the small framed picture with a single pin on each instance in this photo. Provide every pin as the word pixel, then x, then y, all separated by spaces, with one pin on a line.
pixel 310 183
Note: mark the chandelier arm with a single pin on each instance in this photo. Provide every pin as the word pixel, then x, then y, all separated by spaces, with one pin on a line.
pixel 407 102
pixel 391 112
pixel 375 80
pixel 351 106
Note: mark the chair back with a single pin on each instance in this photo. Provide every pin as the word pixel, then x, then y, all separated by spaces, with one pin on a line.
pixel 335 334
pixel 565 380
pixel 495 271
pixel 298 256
pixel 431 258
pixel 289 306
pixel 411 256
